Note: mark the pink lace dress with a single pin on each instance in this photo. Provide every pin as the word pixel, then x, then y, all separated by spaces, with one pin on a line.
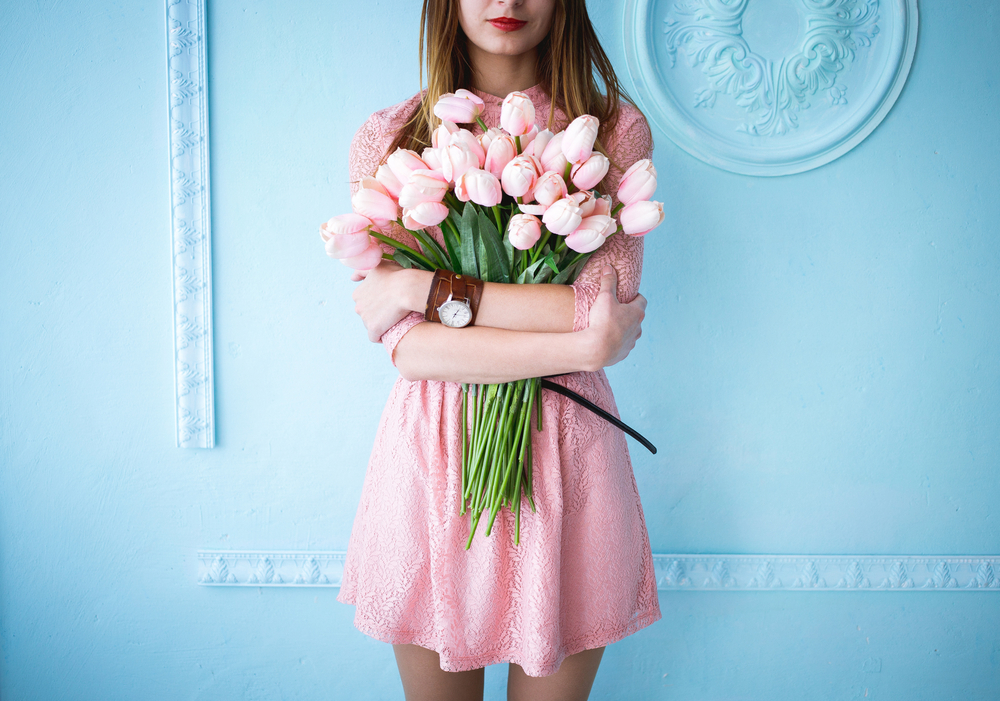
pixel 582 576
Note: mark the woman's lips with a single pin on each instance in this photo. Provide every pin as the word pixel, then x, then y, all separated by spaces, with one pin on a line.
pixel 507 24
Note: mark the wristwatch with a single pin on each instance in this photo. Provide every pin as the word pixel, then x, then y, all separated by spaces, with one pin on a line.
pixel 453 299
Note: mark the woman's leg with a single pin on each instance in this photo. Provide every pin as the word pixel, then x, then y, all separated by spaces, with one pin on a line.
pixel 572 682
pixel 424 680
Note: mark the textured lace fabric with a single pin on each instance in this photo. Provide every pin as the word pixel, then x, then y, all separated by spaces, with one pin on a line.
pixel 582 576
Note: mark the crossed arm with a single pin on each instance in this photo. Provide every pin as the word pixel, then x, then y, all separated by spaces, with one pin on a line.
pixel 521 330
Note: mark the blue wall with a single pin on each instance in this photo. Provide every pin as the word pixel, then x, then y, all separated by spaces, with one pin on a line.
pixel 822 349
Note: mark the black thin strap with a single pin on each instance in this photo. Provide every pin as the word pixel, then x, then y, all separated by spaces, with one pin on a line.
pixel 587 404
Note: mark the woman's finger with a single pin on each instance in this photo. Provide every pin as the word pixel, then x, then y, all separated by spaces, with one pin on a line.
pixel 609 281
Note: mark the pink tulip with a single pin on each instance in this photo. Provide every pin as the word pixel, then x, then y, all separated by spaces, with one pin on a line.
pixel 638 183
pixel 370 183
pixel 501 152
pixel 592 171
pixel 602 205
pixel 581 134
pixel 537 145
pixel 403 162
pixel 367 259
pixel 377 206
pixel 487 137
pixel 465 137
pixel 524 231
pixel 641 217
pixel 461 107
pixel 552 157
pixel 480 186
pixel 519 176
pixel 563 216
pixel 423 186
pixel 587 202
pixel 432 157
pixel 424 214
pixel 458 158
pixel 549 188
pixel 591 233
pixel 345 235
pixel 517 114
pixel 442 135
pixel 389 180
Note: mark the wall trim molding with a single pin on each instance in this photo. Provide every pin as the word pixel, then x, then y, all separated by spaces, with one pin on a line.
pixel 190 214
pixel 674 572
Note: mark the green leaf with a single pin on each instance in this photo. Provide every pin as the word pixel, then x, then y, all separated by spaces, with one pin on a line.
pixel 528 275
pixel 401 258
pixel 551 262
pixel 452 243
pixel 485 269
pixel 427 243
pixel 467 228
pixel 496 256
pixel 563 276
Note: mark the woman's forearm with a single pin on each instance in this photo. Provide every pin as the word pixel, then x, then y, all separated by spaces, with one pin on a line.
pixel 542 308
pixel 484 355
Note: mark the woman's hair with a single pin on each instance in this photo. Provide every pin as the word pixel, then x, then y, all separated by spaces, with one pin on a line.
pixel 569 60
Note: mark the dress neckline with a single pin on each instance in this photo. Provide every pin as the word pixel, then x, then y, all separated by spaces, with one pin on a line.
pixel 535 93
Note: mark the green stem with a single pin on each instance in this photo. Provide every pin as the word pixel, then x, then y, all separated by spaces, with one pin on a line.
pixel 569 168
pixel 617 208
pixel 496 215
pixel 537 250
pixel 426 241
pixel 393 242
pixel 480 122
pixel 517 142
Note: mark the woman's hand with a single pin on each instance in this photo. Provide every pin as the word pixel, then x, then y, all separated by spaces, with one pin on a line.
pixel 385 296
pixel 614 327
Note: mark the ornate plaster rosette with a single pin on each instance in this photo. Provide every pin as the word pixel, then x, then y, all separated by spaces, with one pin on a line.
pixel 769 87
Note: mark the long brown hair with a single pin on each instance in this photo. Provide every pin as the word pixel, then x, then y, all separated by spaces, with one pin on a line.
pixel 570 59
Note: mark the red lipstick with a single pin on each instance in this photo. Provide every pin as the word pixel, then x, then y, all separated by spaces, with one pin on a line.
pixel 507 24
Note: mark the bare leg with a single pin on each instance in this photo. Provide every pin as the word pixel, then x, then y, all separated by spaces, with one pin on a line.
pixel 424 680
pixel 572 682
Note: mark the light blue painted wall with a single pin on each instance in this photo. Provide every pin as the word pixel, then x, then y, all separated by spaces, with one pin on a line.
pixel 822 351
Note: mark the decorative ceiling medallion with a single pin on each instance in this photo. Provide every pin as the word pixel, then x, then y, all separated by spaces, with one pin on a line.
pixel 769 87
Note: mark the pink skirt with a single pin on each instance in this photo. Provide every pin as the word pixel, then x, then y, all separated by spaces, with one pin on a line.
pixel 582 576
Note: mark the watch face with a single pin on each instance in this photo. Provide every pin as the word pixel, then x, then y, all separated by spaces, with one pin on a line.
pixel 455 313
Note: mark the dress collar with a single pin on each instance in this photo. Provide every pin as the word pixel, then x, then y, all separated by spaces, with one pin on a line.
pixel 535 93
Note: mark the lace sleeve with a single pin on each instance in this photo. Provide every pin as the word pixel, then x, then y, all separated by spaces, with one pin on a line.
pixel 367 148
pixel 631 141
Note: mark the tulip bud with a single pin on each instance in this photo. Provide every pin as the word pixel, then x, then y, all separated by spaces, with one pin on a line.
pixel 587 202
pixel 461 107
pixel 638 183
pixel 563 216
pixel 537 145
pixel 487 137
pixel 442 135
pixel 457 158
pixel 432 157
pixel 591 233
pixel 641 217
pixel 480 186
pixel 378 207
pixel 424 214
pixel 345 235
pixel 549 188
pixel 403 162
pixel 519 176
pixel 389 180
pixel 501 152
pixel 367 259
pixel 552 157
pixel 423 186
pixel 517 114
pixel 581 134
pixel 529 138
pixel 524 231
pixel 602 205
pixel 592 171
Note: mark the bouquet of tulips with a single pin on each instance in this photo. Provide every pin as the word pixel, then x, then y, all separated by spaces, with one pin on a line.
pixel 513 205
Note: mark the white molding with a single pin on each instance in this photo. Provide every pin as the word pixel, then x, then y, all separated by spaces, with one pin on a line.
pixel 190 213
pixel 674 572
pixel 769 109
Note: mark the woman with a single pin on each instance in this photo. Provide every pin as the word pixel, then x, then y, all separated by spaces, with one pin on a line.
pixel 582 575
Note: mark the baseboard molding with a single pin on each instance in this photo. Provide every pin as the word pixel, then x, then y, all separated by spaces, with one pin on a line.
pixel 703 572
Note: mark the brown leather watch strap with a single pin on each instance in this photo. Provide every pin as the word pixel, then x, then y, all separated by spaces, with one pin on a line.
pixel 446 283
